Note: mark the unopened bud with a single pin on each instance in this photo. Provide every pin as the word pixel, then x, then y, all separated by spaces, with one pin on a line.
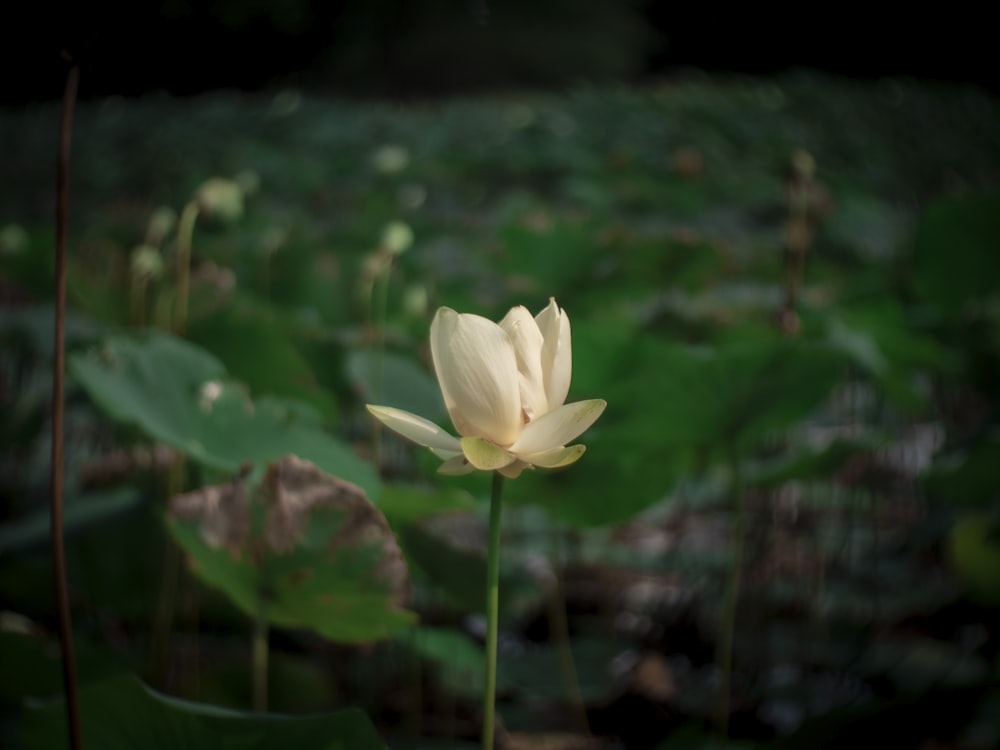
pixel 390 159
pixel 415 300
pixel 13 239
pixel 803 164
pixel 146 262
pixel 160 225
pixel 248 180
pixel 221 199
pixel 397 237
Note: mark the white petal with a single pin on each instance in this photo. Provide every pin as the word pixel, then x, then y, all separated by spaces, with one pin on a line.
pixel 446 455
pixel 485 455
pixel 527 340
pixel 514 470
pixel 456 466
pixel 557 354
pixel 419 430
pixel 477 371
pixel 556 457
pixel 558 427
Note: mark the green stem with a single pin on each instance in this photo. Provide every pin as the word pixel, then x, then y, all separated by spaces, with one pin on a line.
pixel 492 612
pixel 415 708
pixel 163 621
pixel 559 632
pixel 137 300
pixel 727 625
pixel 259 656
pixel 380 298
pixel 185 235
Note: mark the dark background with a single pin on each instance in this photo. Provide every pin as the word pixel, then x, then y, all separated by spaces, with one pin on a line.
pixel 417 48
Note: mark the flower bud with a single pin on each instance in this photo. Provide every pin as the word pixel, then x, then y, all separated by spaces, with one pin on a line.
pixel 161 223
pixel 390 159
pixel 397 237
pixel 221 198
pixel 13 240
pixel 415 300
pixel 146 262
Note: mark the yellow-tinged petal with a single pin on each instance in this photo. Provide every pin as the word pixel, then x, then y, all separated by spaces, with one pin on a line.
pixel 419 430
pixel 456 466
pixel 477 370
pixel 485 455
pixel 557 352
pixel 556 457
pixel 527 341
pixel 558 427
pixel 514 470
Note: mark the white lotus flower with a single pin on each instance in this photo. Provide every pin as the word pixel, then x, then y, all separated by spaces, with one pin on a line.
pixel 504 386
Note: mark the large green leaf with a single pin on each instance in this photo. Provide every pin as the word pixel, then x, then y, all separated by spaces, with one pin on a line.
pixel 81 512
pixel 968 477
pixel 176 393
pixel 121 712
pixel 405 504
pixel 808 465
pixel 461 572
pixel 391 379
pixel 955 258
pixel 551 259
pixel 668 403
pixel 459 661
pixel 974 547
pixel 306 549
pixel 735 393
pixel 257 347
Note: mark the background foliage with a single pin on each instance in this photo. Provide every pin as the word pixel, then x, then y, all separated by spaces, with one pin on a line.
pixel 846 450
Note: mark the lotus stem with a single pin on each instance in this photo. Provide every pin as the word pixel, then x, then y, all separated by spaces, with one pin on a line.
pixel 492 611
pixel 58 413
pixel 559 632
pixel 185 237
pixel 727 625
pixel 259 655
pixel 380 299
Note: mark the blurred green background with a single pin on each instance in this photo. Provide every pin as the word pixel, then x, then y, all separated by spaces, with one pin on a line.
pixel 785 531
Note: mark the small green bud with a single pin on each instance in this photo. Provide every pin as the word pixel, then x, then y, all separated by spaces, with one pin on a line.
pixel 221 198
pixel 13 240
pixel 415 300
pixel 161 223
pixel 390 159
pixel 397 237
pixel 146 262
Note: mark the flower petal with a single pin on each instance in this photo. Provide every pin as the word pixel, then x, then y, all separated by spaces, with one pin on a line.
pixel 556 457
pixel 514 470
pixel 557 354
pixel 485 455
pixel 419 430
pixel 456 466
pixel 477 371
pixel 527 341
pixel 558 427
pixel 445 455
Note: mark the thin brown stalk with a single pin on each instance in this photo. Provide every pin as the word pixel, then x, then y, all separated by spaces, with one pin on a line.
pixel 58 368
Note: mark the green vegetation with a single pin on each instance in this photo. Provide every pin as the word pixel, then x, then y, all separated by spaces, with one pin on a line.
pixel 785 289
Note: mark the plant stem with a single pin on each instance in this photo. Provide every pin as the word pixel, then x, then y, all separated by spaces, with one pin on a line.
pixel 559 633
pixel 380 301
pixel 166 605
pixel 185 237
pixel 58 368
pixel 259 656
pixel 727 625
pixel 492 611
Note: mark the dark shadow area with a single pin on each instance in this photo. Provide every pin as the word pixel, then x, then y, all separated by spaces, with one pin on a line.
pixel 433 48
